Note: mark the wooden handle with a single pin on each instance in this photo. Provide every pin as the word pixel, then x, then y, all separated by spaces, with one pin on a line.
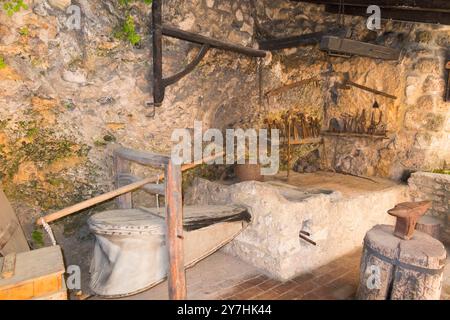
pixel 115 193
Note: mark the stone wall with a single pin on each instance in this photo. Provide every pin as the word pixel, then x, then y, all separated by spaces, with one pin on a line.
pixel 418 121
pixel 66 95
pixel 434 187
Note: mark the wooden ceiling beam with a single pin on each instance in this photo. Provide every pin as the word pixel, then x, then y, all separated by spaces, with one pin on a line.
pixel 397 14
pixel 428 5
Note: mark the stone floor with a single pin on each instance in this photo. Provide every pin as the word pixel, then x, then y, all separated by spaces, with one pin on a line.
pixel 222 276
pixel 225 277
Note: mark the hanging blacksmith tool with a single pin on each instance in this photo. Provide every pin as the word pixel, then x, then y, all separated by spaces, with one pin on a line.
pixel 315 81
pixel 361 123
pixel 407 214
pixel 304 236
pixel 347 82
pixel 374 124
pixel 337 46
pixel 447 96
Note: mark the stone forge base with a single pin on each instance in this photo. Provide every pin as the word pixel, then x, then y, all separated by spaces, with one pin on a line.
pixel 335 210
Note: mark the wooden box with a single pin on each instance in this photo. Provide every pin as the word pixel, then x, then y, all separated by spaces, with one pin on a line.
pixel 37 274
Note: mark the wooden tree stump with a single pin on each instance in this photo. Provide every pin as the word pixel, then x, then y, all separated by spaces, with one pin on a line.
pixel 396 269
pixel 431 226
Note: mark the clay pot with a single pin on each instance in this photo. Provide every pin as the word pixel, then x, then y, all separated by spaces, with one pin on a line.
pixel 248 172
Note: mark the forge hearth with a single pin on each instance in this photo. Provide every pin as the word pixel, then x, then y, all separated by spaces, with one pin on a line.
pixel 306 223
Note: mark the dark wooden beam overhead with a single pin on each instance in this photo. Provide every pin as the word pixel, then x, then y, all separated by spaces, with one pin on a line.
pixel 214 43
pixel 397 14
pixel 429 5
pixel 426 11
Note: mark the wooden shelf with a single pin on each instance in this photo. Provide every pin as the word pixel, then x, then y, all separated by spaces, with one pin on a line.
pixel 354 135
pixel 301 141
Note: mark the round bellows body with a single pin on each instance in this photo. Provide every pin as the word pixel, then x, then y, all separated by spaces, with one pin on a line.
pixel 130 252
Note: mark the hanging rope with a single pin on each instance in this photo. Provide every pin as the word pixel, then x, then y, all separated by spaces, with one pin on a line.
pixel 49 231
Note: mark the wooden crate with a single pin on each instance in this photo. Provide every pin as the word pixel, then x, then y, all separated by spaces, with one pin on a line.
pixel 35 274
pixel 60 295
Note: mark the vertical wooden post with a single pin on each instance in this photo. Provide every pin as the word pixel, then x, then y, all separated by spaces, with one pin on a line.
pixel 122 166
pixel 158 86
pixel 174 233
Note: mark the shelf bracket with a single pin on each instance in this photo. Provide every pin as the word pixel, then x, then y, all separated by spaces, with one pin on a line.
pixel 158 31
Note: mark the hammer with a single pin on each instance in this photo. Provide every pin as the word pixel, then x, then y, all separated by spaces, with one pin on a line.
pixel 407 214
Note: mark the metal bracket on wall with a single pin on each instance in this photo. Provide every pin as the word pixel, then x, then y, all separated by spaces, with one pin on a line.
pixel 158 30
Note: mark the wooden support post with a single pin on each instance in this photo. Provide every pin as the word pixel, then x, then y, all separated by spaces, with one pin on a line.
pixel 122 166
pixel 158 86
pixel 174 233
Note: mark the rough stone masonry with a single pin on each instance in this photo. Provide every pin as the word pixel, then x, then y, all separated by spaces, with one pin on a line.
pixel 67 95
pixel 434 187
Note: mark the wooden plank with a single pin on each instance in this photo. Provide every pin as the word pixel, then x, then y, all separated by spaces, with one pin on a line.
pixel 12 238
pixel 397 14
pixel 338 45
pixel 9 266
pixel 174 233
pixel 92 202
pixel 142 157
pixel 37 273
pixel 306 141
pixel 353 135
pixel 299 40
pixel 199 39
pixel 197 217
pixel 289 42
pixel 58 295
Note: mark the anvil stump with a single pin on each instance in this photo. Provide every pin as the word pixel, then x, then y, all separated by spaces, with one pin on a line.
pixel 396 269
